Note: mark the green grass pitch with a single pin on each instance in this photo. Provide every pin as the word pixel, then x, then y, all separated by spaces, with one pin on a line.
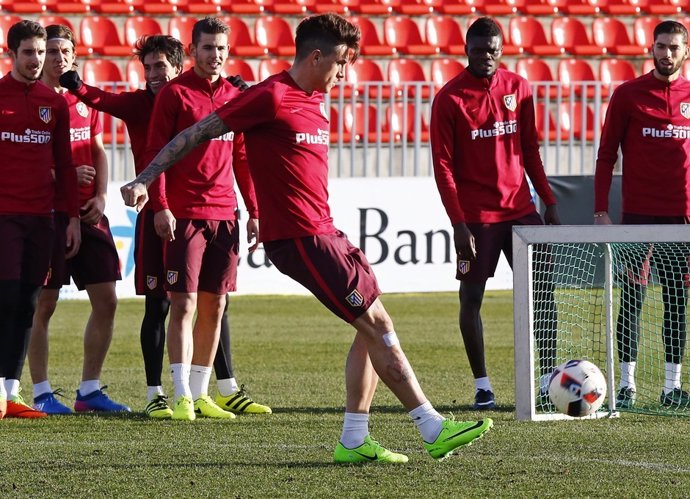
pixel 290 352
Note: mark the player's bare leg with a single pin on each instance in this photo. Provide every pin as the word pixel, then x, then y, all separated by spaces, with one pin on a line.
pixel 360 377
pixel 38 345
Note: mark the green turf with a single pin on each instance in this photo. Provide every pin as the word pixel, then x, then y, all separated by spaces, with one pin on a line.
pixel 290 352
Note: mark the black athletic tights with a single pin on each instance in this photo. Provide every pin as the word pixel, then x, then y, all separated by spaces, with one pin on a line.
pixel 17 305
pixel 153 341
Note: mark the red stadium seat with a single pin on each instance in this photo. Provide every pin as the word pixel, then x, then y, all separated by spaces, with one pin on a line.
pixel 443 70
pixel 99 35
pixel 545 124
pixel 572 120
pixel 614 71
pixel 323 6
pixel 29 6
pixel 292 7
pixel 243 7
pixel 544 7
pixel 528 35
pixel 360 122
pixel 376 7
pixel 367 70
pixel 570 35
pixel 138 26
pixel 612 35
pixel 6 23
pixel 419 7
pixel 163 7
pixel 625 7
pixel 118 133
pixel 97 71
pixel 370 43
pixel 240 67
pixel 402 33
pixel 400 121
pixel 443 33
pixel 667 7
pixel 501 7
pixel 643 31
pixel 5 65
pixel 583 7
pixel 268 67
pixel 275 35
pixel 48 19
pixel 459 7
pixel 180 27
pixel 537 70
pixel 401 71
pixel 135 74
pixel 240 39
pixel 575 72
pixel 204 7
pixel 119 6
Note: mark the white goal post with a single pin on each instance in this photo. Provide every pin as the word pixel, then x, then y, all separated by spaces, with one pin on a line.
pixel 584 269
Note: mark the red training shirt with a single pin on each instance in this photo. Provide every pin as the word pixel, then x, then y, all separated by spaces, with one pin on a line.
pixel 200 185
pixel 650 120
pixel 286 134
pixel 483 140
pixel 34 139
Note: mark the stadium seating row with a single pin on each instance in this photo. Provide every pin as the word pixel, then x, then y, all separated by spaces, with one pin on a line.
pixel 366 7
pixel 272 35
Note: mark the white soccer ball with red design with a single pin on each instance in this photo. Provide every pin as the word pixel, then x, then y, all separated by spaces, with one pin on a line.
pixel 577 388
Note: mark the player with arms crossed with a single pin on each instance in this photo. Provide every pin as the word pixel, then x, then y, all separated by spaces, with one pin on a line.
pixel 643 119
pixel 96 267
pixel 286 132
pixel 484 140
pixel 36 163
pixel 162 57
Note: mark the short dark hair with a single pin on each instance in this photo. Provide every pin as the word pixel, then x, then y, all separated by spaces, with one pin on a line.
pixel 671 28
pixel 484 27
pixel 170 47
pixel 210 26
pixel 325 32
pixel 23 30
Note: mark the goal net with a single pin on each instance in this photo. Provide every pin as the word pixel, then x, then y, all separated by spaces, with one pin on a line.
pixel 614 295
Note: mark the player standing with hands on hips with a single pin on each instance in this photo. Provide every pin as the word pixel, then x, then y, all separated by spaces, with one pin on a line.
pixel 656 190
pixel 484 140
pixel 286 130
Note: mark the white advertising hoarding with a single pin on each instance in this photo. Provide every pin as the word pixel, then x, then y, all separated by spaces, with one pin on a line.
pixel 399 222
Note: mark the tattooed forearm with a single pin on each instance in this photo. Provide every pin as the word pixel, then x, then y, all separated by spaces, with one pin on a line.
pixel 208 128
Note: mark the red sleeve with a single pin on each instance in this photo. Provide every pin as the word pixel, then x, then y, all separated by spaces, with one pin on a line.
pixel 530 148
pixel 118 105
pixel 244 180
pixel 611 137
pixel 161 131
pixel 442 133
pixel 65 173
pixel 96 125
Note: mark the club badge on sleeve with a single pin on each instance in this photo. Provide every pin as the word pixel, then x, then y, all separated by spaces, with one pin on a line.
pixel 685 110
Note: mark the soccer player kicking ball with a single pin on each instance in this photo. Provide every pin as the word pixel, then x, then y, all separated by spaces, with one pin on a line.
pixel 162 57
pixel 286 135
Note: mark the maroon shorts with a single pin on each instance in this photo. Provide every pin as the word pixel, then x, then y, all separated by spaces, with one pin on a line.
pixel 329 266
pixel 490 240
pixel 97 260
pixel 57 273
pixel 25 247
pixel 203 256
pixel 149 273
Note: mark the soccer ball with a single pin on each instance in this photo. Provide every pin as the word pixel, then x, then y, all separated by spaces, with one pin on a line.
pixel 577 388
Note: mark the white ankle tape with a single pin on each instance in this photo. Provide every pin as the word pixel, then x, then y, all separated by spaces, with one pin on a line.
pixel 391 339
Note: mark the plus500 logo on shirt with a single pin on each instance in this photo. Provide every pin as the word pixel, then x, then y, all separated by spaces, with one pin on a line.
pixel 670 132
pixel 29 137
pixel 78 134
pixel 499 128
pixel 226 137
pixel 321 137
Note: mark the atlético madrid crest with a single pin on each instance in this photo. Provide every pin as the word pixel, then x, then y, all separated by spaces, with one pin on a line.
pixel 45 113
pixel 685 110
pixel 463 266
pixel 172 276
pixel 510 101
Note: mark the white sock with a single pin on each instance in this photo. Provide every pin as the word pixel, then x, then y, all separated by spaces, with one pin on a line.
pixel 153 391
pixel 12 387
pixel 180 378
pixel 628 375
pixel 672 377
pixel 199 377
pixel 227 387
pixel 89 386
pixel 3 392
pixel 355 428
pixel 41 388
pixel 482 384
pixel 428 421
